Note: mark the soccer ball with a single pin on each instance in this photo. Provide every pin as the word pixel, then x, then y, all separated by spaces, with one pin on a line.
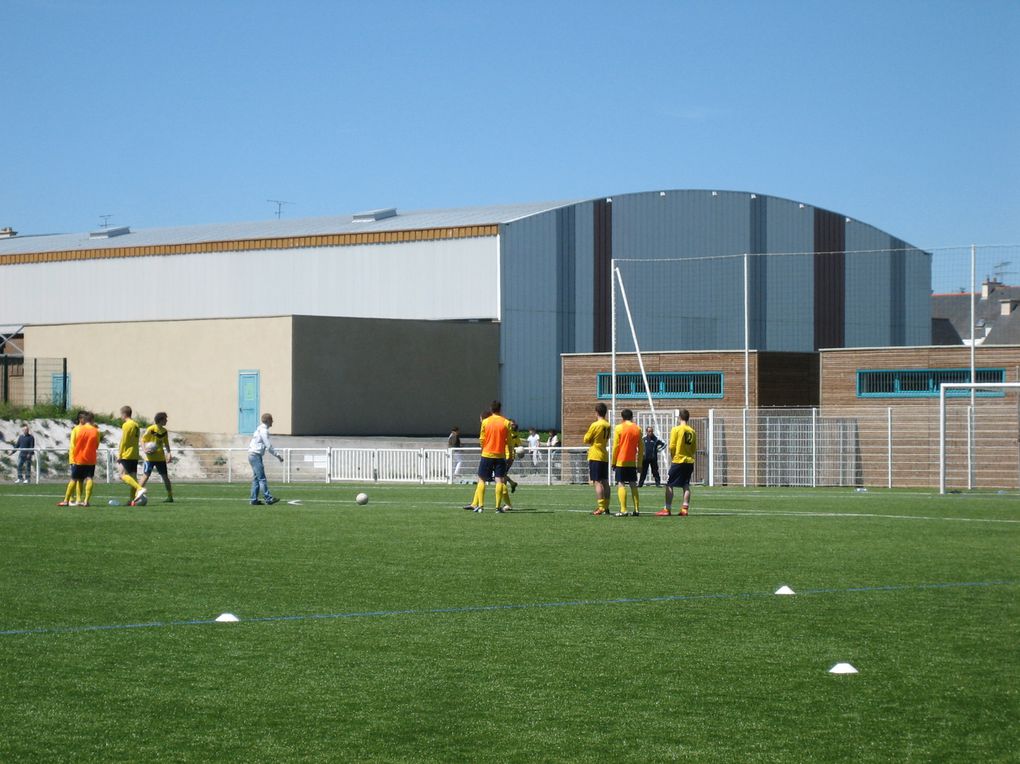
pixel 141 501
pixel 150 447
pixel 361 498
pixel 520 452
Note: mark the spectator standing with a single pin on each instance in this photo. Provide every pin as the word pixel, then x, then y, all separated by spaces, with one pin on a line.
pixel 26 451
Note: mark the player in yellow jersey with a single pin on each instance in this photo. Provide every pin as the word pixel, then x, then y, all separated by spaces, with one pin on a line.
pixel 156 452
pixel 683 446
pixel 597 438
pixel 627 453
pixel 495 432
pixel 127 454
pixel 73 485
pixel 513 442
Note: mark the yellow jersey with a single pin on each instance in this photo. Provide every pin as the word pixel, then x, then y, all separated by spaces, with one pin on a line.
pixel 598 438
pixel 494 436
pixel 155 443
pixel 512 442
pixel 128 440
pixel 74 442
pixel 628 448
pixel 683 444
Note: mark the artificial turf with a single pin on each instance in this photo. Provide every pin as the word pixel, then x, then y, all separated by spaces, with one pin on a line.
pixel 410 630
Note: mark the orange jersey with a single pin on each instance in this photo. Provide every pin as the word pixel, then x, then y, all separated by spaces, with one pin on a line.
pixel 494 435
pixel 628 448
pixel 86 444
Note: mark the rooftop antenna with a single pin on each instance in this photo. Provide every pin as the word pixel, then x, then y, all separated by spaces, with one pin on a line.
pixel 106 221
pixel 999 269
pixel 279 206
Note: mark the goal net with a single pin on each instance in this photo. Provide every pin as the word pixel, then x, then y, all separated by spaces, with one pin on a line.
pixel 979 436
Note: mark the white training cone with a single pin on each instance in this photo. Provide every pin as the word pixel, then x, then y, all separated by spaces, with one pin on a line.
pixel 785 590
pixel 227 618
pixel 842 668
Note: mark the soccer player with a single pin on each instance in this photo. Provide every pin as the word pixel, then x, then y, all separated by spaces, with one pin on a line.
pixel 127 454
pixel 156 452
pixel 73 487
pixel 626 460
pixel 683 445
pixel 513 442
pixel 85 445
pixel 495 432
pixel 256 449
pixel 26 450
pixel 597 438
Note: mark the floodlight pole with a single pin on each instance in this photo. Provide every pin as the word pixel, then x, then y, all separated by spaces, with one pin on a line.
pixel 634 339
pixel 612 401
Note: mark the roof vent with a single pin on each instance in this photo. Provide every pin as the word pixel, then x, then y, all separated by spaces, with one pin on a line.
pixel 373 215
pixel 109 233
pixel 7 233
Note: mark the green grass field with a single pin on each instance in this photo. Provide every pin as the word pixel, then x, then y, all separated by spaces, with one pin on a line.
pixel 410 630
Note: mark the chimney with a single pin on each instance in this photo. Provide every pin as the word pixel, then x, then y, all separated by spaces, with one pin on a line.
pixel 989 286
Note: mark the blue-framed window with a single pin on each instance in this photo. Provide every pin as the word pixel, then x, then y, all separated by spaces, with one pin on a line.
pixel 922 383
pixel 663 384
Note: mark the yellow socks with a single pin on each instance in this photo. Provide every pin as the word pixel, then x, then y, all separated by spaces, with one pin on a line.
pixel 621 491
pixel 88 490
pixel 130 481
pixel 70 490
pixel 637 501
pixel 479 497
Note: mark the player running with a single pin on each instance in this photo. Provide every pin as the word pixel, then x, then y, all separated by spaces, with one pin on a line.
pixel 156 452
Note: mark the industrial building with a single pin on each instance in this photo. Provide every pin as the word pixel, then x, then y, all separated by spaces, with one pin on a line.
pixel 348 324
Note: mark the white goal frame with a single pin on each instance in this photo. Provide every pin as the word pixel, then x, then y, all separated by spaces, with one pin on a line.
pixel 972 386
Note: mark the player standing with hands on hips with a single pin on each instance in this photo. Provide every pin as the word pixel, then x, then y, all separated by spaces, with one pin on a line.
pixel 256 449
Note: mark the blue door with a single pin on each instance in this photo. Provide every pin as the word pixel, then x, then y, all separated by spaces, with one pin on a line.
pixel 60 389
pixel 247 401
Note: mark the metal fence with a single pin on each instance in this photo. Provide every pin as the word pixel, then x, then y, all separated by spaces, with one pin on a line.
pixel 34 381
pixel 321 465
pixel 889 447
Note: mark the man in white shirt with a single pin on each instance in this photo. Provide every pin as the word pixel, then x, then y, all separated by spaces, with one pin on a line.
pixel 534 443
pixel 256 449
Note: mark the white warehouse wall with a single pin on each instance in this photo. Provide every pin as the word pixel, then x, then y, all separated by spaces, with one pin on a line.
pixel 430 280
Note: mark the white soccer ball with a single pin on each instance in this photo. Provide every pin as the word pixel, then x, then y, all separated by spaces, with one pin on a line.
pixel 150 447
pixel 520 451
pixel 361 498
pixel 142 500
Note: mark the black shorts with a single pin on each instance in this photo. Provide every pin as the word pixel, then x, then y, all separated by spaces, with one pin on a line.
pixel 626 474
pixel 680 475
pixel 160 467
pixel 489 468
pixel 130 465
pixel 83 471
pixel 598 471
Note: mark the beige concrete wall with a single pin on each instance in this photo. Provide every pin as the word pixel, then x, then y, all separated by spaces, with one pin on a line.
pixel 186 368
pixel 382 377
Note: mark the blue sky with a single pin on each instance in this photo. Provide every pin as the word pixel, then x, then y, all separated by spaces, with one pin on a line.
pixel 905 115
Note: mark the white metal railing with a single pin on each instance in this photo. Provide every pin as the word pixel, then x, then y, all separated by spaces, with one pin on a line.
pixel 887 446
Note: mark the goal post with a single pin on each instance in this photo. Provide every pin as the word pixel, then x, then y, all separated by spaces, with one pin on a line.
pixel 945 392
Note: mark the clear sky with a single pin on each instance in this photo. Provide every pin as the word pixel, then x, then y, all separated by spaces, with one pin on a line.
pixel 905 115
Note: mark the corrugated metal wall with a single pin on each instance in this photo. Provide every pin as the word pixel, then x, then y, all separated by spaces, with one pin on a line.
pixel 450 279
pixel 554 272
